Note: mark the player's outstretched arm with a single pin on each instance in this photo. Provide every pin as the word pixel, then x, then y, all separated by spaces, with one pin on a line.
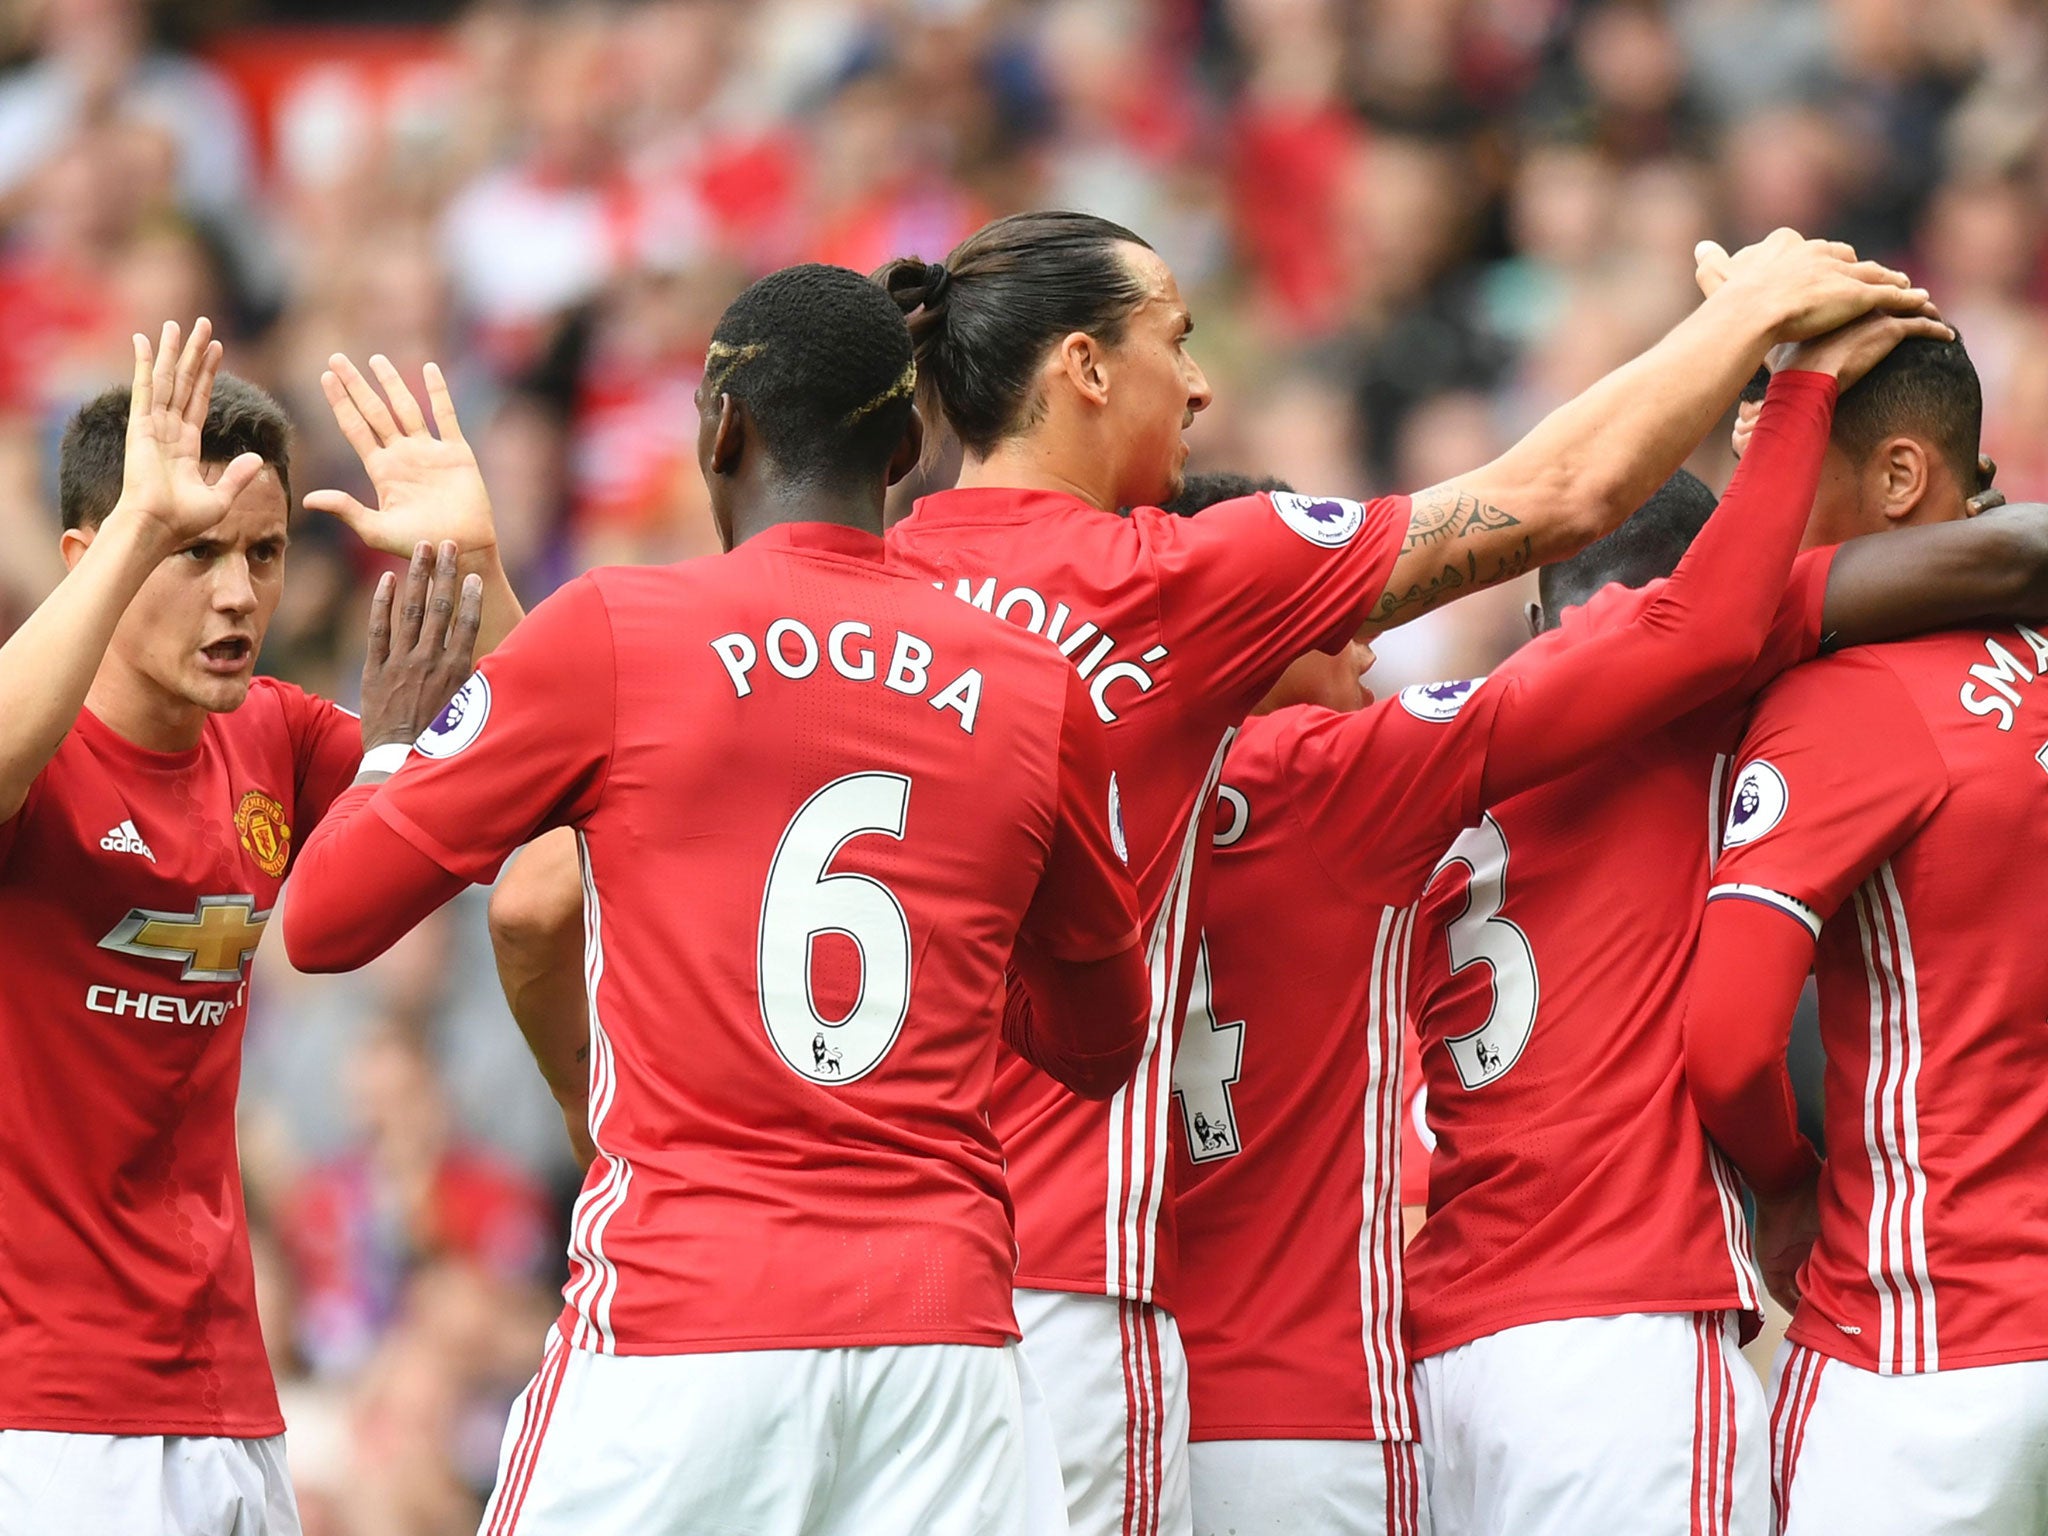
pixel 537 940
pixel 47 665
pixel 426 478
pixel 1589 463
pixel 1911 580
pixel 1567 699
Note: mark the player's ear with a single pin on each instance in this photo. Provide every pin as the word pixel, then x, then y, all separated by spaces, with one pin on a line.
pixel 1532 614
pixel 1079 357
pixel 74 544
pixel 728 437
pixel 1904 472
pixel 910 450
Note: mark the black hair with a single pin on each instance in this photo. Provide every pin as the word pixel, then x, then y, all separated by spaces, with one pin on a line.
pixel 240 418
pixel 1922 388
pixel 984 318
pixel 822 361
pixel 1758 386
pixel 1649 545
pixel 1199 492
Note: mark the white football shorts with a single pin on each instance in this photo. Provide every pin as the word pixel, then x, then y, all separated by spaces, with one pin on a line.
pixel 144 1485
pixel 1649 1423
pixel 1945 1453
pixel 1289 1487
pixel 1116 1381
pixel 934 1438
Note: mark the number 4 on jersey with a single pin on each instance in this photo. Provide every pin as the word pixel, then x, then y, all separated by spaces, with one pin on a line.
pixel 1209 1061
pixel 1480 934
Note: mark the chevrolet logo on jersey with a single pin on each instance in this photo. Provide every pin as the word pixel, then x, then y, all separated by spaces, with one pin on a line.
pixel 215 940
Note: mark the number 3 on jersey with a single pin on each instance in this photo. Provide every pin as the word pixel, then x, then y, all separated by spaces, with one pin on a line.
pixel 803 901
pixel 1480 934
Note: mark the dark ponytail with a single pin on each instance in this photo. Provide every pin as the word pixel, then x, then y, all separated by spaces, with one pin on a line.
pixel 982 320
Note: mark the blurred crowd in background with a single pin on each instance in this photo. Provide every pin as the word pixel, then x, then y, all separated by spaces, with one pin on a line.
pixel 1407 227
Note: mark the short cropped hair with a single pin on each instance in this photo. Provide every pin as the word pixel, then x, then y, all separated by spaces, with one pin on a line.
pixel 1200 491
pixel 1649 545
pixel 1925 389
pixel 821 359
pixel 240 418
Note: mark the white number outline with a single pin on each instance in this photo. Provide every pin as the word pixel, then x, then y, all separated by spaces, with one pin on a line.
pixel 1196 1046
pixel 1486 938
pixel 813 1024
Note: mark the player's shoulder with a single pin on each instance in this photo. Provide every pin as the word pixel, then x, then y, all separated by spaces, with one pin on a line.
pixel 1852 687
pixel 274 705
pixel 1327 522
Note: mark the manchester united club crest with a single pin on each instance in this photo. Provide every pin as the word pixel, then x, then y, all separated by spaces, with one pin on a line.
pixel 260 822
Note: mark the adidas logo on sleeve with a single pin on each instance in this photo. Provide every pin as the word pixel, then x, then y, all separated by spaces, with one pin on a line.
pixel 125 839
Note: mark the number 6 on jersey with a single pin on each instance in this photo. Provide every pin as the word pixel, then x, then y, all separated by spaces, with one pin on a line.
pixel 1480 933
pixel 803 901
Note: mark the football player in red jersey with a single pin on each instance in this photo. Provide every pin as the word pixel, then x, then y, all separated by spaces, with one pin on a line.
pixel 1887 809
pixel 1582 1235
pixel 154 793
pixel 821 808
pixel 1291 1291
pixel 1055 346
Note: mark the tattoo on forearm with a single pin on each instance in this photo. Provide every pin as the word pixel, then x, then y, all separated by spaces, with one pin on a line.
pixel 1398 607
pixel 1440 517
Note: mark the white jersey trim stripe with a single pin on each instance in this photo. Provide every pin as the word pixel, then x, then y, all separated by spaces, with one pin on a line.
pixel 1918 1272
pixel 1735 1228
pixel 1715 787
pixel 1770 898
pixel 1138 1142
pixel 595 1281
pixel 1372 1300
pixel 1897 1258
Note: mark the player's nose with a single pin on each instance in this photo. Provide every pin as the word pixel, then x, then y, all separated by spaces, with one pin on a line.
pixel 233 590
pixel 1199 393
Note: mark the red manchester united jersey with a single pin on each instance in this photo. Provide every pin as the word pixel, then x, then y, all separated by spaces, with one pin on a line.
pixel 1288 1080
pixel 1895 800
pixel 1570 1176
pixel 134 888
pixel 818 802
pixel 1177 626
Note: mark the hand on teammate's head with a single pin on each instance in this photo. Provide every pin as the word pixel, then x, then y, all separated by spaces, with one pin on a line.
pixel 1851 351
pixel 1812 286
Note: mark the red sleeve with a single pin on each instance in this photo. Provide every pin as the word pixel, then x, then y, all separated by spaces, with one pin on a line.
pixel 1085 907
pixel 1751 962
pixel 1378 795
pixel 1249 585
pixel 1080 1000
pixel 524 746
pixel 358 888
pixel 1838 769
pixel 1564 699
pixel 327 747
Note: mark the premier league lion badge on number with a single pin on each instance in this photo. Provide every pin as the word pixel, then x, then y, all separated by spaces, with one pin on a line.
pixel 259 821
pixel 1330 521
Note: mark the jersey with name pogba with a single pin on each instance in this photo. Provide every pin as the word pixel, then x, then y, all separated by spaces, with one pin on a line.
pixel 1178 626
pixel 134 888
pixel 1570 1176
pixel 1894 800
pixel 819 806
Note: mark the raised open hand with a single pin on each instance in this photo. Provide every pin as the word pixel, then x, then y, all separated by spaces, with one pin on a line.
pixel 1811 286
pixel 162 475
pixel 428 487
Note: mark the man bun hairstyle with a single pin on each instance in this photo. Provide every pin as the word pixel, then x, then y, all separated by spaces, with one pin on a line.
pixel 1646 547
pixel 240 418
pixel 1200 492
pixel 984 318
pixel 822 361
pixel 1922 388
